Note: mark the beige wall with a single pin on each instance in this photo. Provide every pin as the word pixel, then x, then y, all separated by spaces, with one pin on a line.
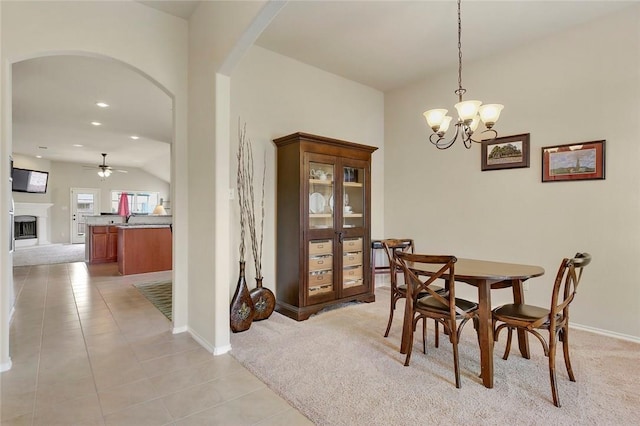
pixel 579 85
pixel 276 96
pixel 157 49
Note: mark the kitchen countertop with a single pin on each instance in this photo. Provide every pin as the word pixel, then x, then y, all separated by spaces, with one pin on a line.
pixel 141 225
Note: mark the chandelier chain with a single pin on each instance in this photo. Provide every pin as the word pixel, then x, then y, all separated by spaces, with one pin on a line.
pixel 460 90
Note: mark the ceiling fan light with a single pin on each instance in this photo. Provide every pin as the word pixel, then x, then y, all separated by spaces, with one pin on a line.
pixel 107 173
pixel 101 173
pixel 467 110
pixel 490 113
pixel 435 118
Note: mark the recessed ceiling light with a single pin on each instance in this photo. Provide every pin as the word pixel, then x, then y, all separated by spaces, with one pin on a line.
pixel 96 123
pixel 102 104
pixel 38 156
pixel 77 145
pixel 134 137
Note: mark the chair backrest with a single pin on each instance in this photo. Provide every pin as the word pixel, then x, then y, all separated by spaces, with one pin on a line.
pixel 566 284
pixel 391 247
pixel 415 285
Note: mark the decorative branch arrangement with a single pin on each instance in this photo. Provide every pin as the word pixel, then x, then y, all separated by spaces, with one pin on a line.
pixel 246 198
pixel 240 185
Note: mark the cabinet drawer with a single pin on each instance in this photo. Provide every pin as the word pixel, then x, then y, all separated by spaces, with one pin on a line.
pixel 320 263
pixel 320 278
pixel 351 259
pixel 321 289
pixel 99 229
pixel 320 247
pixel 353 244
pixel 350 274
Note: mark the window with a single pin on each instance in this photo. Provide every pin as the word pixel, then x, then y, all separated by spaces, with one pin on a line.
pixel 140 202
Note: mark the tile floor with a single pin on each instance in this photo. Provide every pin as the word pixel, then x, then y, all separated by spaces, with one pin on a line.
pixel 88 349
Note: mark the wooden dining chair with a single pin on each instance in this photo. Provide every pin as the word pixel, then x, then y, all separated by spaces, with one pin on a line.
pixel 556 319
pixel 392 246
pixel 444 308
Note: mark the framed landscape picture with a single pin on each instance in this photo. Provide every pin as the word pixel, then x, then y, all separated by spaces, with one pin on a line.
pixel 508 152
pixel 579 161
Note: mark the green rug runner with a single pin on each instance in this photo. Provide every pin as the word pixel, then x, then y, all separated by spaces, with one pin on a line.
pixel 158 293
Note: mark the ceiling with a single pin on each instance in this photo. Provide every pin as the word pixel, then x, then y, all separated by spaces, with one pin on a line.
pixel 381 44
pixel 54 103
pixel 389 44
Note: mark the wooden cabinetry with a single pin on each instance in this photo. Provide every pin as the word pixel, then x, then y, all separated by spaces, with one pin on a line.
pixel 323 224
pixel 102 244
pixel 144 248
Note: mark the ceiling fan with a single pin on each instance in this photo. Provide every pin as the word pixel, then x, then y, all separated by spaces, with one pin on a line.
pixel 104 170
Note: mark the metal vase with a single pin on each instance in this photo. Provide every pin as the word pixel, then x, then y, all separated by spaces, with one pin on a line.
pixel 242 309
pixel 264 301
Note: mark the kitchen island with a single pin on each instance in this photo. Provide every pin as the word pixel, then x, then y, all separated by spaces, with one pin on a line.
pixel 144 248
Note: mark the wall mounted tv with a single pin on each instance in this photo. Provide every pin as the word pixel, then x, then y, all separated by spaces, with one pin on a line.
pixel 25 180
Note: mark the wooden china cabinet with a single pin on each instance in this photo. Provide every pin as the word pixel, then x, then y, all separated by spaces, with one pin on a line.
pixel 323 224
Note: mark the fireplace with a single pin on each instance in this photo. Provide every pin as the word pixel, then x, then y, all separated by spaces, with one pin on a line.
pixel 25 227
pixel 32 232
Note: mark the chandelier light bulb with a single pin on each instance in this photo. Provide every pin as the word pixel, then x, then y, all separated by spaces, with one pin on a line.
pixel 434 118
pixel 467 110
pixel 445 125
pixel 490 113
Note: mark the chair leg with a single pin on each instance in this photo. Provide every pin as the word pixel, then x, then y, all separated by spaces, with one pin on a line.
pixel 386 333
pixel 456 367
pixel 564 333
pixel 437 339
pixel 409 349
pixel 552 369
pixel 424 335
pixel 508 348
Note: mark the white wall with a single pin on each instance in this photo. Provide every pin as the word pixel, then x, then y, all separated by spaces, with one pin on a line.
pixel 577 86
pixel 152 42
pixel 276 96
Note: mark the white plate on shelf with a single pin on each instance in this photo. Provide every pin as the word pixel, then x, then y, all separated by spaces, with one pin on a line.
pixel 331 203
pixel 316 203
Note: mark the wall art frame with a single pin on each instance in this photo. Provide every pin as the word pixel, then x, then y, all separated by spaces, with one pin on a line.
pixel 508 152
pixel 575 161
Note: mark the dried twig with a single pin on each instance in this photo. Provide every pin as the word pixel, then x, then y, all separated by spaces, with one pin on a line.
pixel 240 184
pixel 248 200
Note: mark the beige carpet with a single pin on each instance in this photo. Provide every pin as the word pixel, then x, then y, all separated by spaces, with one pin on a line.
pixel 48 254
pixel 337 369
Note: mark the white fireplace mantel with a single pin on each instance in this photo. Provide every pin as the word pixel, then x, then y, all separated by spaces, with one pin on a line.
pixel 41 211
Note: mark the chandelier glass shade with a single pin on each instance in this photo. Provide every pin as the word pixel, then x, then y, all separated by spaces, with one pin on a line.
pixel 470 113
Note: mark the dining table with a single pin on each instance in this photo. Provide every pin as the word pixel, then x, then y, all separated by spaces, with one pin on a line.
pixel 486 276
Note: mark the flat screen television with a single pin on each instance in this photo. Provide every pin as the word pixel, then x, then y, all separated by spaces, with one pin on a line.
pixel 25 180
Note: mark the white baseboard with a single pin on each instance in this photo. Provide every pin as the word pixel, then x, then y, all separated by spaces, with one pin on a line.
pixel 5 366
pixel 606 332
pixel 178 330
pixel 222 350
pixel 212 349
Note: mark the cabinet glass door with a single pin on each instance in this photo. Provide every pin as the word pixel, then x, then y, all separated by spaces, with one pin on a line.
pixel 354 197
pixel 321 195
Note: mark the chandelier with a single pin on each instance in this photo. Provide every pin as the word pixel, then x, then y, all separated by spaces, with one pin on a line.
pixel 470 113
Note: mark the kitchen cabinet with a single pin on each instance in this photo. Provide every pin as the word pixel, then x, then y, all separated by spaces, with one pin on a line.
pixel 101 244
pixel 323 224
